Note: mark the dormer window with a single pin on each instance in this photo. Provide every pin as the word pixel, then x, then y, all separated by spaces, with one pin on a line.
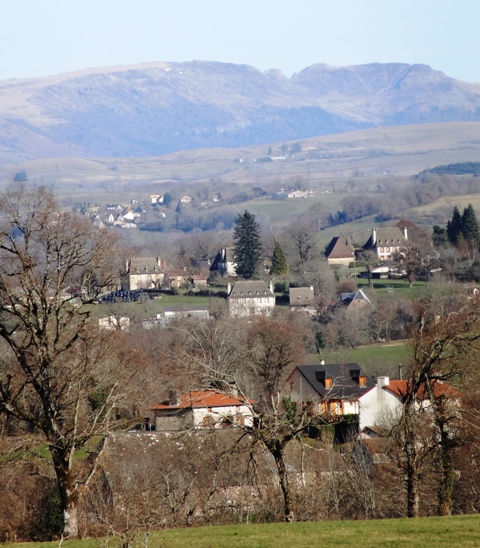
pixel 322 378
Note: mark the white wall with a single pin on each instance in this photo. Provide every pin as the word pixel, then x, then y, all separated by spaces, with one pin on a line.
pixel 218 413
pixel 378 406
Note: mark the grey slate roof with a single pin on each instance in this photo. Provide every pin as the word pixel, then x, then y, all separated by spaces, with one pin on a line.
pixel 144 265
pixel 390 236
pixel 249 289
pixel 359 295
pixel 345 380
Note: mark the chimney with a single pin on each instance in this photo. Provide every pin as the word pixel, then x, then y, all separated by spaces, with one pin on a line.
pixel 229 288
pixel 405 233
pixel 383 381
pixel 374 236
pixel 322 362
pixel 271 286
pixel 173 399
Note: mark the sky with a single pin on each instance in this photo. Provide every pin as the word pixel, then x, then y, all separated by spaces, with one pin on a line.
pixel 46 37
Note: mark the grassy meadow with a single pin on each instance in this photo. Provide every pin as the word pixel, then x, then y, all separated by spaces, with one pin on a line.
pixel 421 533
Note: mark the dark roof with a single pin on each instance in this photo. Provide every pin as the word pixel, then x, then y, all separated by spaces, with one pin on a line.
pixel 344 380
pixel 338 249
pixel 360 296
pixel 250 289
pixel 225 255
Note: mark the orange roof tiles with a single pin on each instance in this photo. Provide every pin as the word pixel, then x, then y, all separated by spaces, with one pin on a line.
pixel 399 388
pixel 206 398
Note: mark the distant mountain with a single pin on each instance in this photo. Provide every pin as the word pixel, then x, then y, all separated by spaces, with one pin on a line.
pixel 157 108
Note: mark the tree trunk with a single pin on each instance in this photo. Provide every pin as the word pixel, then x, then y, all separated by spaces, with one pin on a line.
pixel 68 494
pixel 413 497
pixel 448 475
pixel 284 484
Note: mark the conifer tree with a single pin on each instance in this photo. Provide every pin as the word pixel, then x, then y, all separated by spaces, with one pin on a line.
pixel 454 227
pixel 247 245
pixel 279 261
pixel 470 229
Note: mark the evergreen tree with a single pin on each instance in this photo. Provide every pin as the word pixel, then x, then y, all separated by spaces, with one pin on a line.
pixel 247 245
pixel 470 229
pixel 454 227
pixel 279 261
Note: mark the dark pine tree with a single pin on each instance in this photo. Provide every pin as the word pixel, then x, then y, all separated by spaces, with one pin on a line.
pixel 470 229
pixel 279 261
pixel 454 227
pixel 247 245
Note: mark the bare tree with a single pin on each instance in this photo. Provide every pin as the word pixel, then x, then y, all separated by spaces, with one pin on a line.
pixel 61 374
pixel 444 350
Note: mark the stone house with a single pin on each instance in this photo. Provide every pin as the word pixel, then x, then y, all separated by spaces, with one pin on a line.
pixel 202 410
pixel 250 298
pixel 144 273
pixel 385 242
pixel 302 299
pixel 338 252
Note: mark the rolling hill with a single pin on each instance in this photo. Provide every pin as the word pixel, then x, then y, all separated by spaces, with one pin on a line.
pixel 160 108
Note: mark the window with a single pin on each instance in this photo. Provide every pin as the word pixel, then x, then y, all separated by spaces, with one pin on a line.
pixel 227 421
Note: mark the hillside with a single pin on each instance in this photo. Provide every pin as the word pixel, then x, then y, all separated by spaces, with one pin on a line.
pixel 159 108
pixel 361 156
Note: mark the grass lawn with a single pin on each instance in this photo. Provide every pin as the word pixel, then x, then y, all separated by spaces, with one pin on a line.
pixel 388 289
pixel 375 359
pixel 420 533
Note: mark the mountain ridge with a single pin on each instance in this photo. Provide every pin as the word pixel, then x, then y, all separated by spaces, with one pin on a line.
pixel 157 108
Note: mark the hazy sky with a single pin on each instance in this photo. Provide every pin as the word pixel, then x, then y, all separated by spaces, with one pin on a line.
pixel 43 37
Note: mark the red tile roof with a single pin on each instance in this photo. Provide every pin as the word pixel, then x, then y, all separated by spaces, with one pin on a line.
pixel 206 398
pixel 399 388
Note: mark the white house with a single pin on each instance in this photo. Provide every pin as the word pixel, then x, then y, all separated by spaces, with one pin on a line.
pixel 224 262
pixel 203 409
pixel 114 323
pixel 144 273
pixel 250 298
pixel 382 405
pixel 385 242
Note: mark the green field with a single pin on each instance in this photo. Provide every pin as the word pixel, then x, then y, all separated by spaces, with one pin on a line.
pixel 375 359
pixel 420 533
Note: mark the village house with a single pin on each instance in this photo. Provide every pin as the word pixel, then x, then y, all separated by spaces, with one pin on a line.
pixel 333 389
pixel 290 194
pixel 385 242
pixel 143 273
pixel 197 281
pixel 302 299
pixel 224 262
pixel 356 300
pixel 338 252
pixel 202 410
pixel 382 404
pixel 250 298
pixel 175 278
pixel 113 323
